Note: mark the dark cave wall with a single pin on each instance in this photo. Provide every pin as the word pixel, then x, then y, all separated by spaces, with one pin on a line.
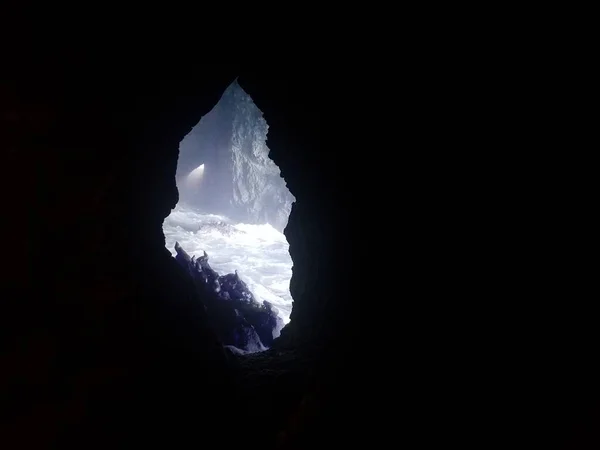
pixel 96 314
pixel 105 342
pixel 297 106
pixel 92 291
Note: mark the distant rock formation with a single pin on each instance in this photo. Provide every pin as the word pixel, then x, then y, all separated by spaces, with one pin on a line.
pixel 238 179
pixel 238 318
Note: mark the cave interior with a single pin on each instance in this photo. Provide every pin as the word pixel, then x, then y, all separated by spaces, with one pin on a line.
pixel 124 349
pixel 420 276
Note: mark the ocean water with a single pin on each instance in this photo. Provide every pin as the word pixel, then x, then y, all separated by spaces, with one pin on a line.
pixel 259 253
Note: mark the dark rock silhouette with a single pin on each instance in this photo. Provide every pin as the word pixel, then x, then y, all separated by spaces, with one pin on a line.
pixel 237 317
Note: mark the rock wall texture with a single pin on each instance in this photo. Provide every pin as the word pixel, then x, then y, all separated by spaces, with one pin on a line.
pixel 239 179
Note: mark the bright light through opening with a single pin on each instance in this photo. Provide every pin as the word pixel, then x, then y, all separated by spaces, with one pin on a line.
pixel 233 203
pixel 195 176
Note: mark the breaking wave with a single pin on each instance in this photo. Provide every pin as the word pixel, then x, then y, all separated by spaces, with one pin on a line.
pixel 259 253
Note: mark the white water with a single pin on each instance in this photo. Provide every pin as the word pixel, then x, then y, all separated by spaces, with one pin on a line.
pixel 258 252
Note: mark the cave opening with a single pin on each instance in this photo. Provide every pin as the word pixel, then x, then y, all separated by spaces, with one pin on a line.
pixel 227 227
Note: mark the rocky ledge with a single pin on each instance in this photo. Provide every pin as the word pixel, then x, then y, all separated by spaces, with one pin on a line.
pixel 243 324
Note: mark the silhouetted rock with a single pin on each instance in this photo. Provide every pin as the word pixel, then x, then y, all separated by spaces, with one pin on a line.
pixel 238 318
